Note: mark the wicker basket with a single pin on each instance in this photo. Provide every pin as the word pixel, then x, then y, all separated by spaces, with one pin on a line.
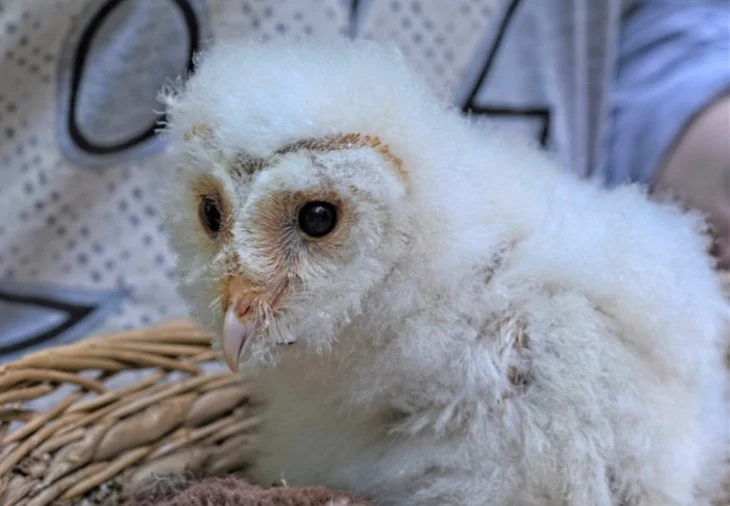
pixel 88 422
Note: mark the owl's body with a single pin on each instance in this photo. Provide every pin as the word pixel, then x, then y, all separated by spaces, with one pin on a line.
pixel 476 327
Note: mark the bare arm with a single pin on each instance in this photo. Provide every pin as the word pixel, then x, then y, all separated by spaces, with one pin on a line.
pixel 697 170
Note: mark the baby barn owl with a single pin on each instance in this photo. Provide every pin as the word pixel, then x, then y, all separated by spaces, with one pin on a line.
pixel 433 314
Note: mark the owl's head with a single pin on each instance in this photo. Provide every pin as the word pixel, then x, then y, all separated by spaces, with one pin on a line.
pixel 279 249
pixel 290 199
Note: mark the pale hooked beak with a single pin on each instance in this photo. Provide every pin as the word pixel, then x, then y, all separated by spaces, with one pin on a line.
pixel 239 325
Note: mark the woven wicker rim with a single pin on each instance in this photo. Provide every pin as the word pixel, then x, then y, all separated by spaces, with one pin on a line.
pixel 177 416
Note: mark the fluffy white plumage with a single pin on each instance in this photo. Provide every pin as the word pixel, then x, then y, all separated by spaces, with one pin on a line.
pixel 481 328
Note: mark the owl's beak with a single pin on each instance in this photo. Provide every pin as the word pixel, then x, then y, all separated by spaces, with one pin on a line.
pixel 239 325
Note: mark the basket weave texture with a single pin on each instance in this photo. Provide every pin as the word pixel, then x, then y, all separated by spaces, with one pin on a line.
pixel 85 423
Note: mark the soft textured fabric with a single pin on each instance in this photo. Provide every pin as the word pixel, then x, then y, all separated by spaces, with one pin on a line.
pixel 237 492
pixel 81 245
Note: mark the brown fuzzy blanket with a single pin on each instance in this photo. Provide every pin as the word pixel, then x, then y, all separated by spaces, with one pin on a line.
pixel 234 491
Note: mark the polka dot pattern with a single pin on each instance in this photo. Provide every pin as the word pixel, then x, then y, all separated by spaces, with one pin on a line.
pixel 266 19
pixel 437 39
pixel 65 225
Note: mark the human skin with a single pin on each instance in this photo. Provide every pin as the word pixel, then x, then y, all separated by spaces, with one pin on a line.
pixel 697 172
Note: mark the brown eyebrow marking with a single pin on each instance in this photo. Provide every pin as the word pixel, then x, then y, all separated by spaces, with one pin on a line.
pixel 246 166
pixel 348 141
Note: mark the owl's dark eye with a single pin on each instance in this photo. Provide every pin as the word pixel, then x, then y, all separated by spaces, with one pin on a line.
pixel 317 219
pixel 210 215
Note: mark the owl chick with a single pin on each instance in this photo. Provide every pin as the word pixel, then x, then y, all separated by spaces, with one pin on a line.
pixel 434 314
